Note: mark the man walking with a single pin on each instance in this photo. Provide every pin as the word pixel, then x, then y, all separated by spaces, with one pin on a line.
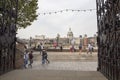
pixel 44 57
pixel 30 58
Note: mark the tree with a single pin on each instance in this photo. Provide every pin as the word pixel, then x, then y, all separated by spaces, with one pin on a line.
pixel 26 12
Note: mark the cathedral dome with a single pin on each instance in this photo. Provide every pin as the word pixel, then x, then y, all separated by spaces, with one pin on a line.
pixel 70 33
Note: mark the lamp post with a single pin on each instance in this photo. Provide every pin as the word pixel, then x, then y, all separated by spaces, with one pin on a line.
pixel 30 43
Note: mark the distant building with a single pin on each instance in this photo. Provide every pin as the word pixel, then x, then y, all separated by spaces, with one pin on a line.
pixel 40 37
pixel 66 42
pixel 70 35
pixel 77 40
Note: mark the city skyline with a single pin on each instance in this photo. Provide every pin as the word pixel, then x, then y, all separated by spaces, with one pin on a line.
pixel 63 36
pixel 50 25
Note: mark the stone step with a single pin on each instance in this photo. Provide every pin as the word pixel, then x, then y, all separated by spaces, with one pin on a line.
pixel 28 74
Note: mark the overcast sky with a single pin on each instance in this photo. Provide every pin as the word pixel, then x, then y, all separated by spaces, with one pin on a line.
pixel 49 25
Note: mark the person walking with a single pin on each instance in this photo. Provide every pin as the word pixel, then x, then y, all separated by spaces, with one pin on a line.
pixel 26 57
pixel 90 47
pixel 73 49
pixel 80 48
pixel 40 48
pixel 61 48
pixel 70 48
pixel 45 57
pixel 30 58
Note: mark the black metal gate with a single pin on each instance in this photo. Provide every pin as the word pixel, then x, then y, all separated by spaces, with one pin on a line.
pixel 8 19
pixel 108 20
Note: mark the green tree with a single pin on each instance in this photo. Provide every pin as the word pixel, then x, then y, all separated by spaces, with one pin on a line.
pixel 27 12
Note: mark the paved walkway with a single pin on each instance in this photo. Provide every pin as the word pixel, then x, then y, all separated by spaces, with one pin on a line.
pixel 68 56
pixel 67 61
pixel 52 75
pixel 77 66
pixel 63 66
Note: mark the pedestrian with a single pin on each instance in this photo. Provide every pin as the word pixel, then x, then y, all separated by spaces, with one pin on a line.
pixel 80 48
pixel 30 58
pixel 90 47
pixel 45 57
pixel 73 49
pixel 39 48
pixel 42 47
pixel 61 48
pixel 70 48
pixel 26 57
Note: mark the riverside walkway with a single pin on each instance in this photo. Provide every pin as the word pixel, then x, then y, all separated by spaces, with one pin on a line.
pixel 63 66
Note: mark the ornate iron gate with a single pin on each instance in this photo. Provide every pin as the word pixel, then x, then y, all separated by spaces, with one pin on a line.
pixel 8 19
pixel 108 20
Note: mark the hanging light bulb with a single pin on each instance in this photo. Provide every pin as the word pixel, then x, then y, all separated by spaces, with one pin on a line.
pixel 39 14
pixel 44 13
pixel 61 11
pixel 90 9
pixel 66 9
